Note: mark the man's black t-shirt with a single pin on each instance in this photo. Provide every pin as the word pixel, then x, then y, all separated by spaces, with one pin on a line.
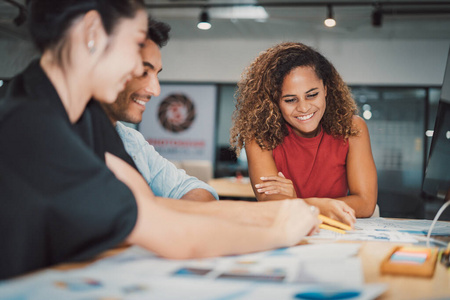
pixel 58 200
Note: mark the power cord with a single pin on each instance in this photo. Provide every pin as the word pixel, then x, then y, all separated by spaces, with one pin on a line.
pixel 438 214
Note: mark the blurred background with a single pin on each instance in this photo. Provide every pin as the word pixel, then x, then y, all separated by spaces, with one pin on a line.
pixel 391 53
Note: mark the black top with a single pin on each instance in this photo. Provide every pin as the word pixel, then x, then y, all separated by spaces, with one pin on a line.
pixel 97 131
pixel 58 200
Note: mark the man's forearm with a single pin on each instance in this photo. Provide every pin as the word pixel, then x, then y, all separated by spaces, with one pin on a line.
pixel 195 236
pixel 199 195
pixel 259 214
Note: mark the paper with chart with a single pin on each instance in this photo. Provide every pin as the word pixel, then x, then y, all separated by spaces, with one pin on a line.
pixel 389 230
pixel 416 226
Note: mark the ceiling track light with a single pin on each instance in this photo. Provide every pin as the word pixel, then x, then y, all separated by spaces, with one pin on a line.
pixel 204 23
pixel 330 21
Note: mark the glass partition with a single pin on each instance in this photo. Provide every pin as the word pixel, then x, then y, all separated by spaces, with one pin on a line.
pixel 396 121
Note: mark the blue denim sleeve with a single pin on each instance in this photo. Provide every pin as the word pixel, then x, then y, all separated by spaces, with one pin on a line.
pixel 164 178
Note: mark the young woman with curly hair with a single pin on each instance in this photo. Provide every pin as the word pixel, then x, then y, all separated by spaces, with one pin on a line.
pixel 297 120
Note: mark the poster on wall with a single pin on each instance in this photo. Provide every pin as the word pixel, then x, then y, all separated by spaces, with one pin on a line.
pixel 180 122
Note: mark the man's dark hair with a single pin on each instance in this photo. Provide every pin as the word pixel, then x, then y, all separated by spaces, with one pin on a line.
pixel 158 32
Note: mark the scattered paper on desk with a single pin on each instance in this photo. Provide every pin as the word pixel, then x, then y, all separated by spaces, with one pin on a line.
pixel 366 235
pixel 77 285
pixel 139 274
pixel 27 287
pixel 280 265
pixel 416 226
pixel 111 285
pixel 330 271
pixel 389 230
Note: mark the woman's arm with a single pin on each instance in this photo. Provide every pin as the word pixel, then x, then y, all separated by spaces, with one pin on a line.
pixel 261 165
pixel 259 214
pixel 267 182
pixel 174 234
pixel 361 172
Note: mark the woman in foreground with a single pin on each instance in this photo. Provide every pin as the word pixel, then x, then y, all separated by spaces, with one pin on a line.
pixel 59 201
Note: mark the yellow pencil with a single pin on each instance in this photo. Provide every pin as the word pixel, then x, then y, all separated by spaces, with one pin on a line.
pixel 331 228
pixel 334 223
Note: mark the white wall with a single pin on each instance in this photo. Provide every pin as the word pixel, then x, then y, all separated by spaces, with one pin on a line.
pixel 372 62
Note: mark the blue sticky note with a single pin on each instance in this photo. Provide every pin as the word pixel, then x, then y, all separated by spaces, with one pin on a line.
pixel 407 258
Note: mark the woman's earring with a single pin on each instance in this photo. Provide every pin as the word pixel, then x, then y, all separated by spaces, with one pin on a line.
pixel 91 46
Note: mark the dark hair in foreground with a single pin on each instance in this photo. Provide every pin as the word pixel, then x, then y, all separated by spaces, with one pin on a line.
pixel 158 32
pixel 49 19
pixel 257 115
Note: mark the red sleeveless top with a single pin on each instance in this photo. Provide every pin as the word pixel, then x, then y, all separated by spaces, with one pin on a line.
pixel 316 166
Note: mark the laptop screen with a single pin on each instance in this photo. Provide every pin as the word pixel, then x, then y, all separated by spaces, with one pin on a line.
pixel 436 181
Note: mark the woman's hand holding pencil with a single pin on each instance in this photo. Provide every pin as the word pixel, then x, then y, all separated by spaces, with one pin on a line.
pixel 334 209
pixel 333 225
pixel 330 224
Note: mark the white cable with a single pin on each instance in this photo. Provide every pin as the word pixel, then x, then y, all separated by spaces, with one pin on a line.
pixel 440 211
pixel 434 241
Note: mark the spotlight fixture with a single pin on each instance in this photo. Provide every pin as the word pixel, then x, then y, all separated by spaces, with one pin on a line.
pixel 330 21
pixel 377 16
pixel 204 23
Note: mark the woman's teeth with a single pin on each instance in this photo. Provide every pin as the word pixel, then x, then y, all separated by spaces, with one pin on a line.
pixel 303 118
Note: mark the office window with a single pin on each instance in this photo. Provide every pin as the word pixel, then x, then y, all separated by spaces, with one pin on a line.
pixel 227 164
pixel 396 121
pixel 434 96
pixel 431 205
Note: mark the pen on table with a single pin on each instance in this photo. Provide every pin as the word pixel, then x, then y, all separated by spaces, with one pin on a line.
pixel 333 225
pixel 331 228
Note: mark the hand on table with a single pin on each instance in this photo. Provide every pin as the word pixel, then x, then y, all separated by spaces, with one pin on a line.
pixel 335 209
pixel 273 185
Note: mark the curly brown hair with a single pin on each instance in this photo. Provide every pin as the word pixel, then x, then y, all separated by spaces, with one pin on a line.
pixel 257 115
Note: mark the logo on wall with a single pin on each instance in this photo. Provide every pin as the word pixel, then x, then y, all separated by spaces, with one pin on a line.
pixel 176 112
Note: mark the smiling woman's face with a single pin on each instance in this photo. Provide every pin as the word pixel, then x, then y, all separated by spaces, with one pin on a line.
pixel 121 60
pixel 302 101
